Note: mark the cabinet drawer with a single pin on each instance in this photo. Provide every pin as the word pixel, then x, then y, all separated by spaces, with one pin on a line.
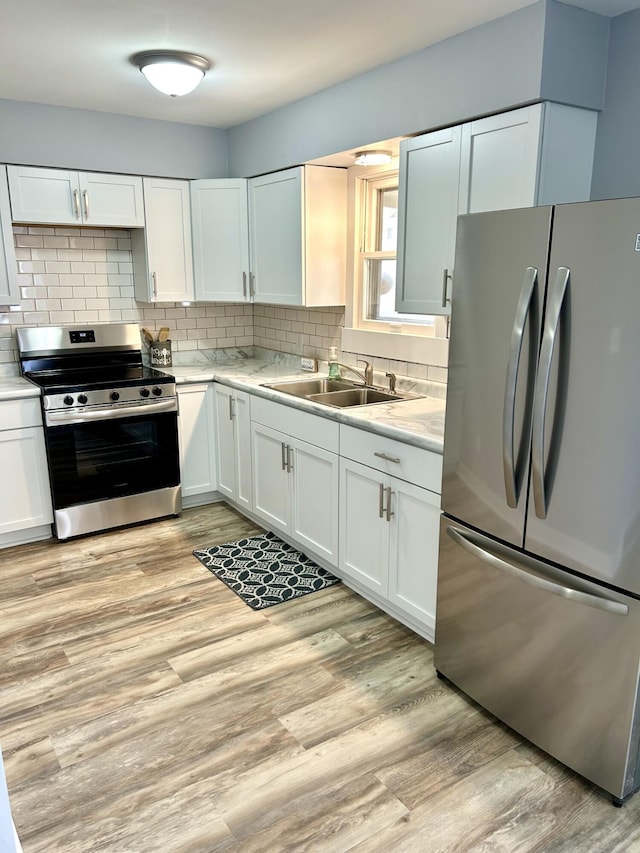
pixel 24 412
pixel 311 428
pixel 413 464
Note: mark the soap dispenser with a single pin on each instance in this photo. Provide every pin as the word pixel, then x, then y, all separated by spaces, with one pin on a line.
pixel 334 367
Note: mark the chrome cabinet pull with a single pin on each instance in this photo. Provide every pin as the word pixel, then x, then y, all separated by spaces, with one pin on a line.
pixel 381 502
pixel 446 275
pixel 252 284
pixel 289 459
pixel 230 407
pixel 387 458
pixel 535 580
pixel 554 311
pixel 511 485
pixel 76 204
pixel 154 284
pixel 85 199
pixel 244 285
pixel 389 493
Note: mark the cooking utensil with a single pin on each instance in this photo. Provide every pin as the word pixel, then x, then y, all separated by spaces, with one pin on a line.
pixel 163 334
pixel 147 334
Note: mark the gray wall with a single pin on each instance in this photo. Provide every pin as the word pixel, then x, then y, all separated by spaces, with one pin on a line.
pixel 497 66
pixel 616 171
pixel 41 135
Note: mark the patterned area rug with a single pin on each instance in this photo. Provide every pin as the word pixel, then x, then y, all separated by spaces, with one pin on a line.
pixel 263 570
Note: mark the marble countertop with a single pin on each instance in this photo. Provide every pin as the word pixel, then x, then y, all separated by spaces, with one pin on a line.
pixel 419 422
pixel 15 387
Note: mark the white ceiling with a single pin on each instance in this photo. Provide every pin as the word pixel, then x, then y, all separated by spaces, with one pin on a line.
pixel 265 53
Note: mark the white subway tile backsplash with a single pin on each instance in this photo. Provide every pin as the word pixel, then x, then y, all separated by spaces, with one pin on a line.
pixel 78 275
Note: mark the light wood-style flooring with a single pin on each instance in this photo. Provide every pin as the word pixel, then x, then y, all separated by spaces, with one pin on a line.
pixel 144 707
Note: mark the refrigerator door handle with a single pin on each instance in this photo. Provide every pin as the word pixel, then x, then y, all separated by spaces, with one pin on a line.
pixel 597 601
pixel 554 310
pixel 513 482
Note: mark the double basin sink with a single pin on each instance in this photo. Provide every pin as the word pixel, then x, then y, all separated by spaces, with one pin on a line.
pixel 337 392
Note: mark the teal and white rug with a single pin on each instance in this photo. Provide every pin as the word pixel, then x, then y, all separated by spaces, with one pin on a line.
pixel 263 570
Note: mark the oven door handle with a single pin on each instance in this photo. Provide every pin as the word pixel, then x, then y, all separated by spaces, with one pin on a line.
pixel 110 413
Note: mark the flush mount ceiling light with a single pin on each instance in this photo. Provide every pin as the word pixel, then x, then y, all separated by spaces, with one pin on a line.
pixel 372 158
pixel 171 71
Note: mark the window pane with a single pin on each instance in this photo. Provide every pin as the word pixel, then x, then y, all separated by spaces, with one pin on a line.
pixel 387 239
pixel 380 294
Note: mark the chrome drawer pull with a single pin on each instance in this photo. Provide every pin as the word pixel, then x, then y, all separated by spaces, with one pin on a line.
pixel 387 458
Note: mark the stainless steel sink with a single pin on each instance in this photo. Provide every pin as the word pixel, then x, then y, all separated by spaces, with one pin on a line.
pixel 362 396
pixel 305 387
pixel 339 393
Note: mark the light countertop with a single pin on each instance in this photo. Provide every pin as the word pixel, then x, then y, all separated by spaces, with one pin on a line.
pixel 419 422
pixel 15 387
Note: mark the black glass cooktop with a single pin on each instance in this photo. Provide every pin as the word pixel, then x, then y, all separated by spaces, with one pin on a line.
pixel 98 377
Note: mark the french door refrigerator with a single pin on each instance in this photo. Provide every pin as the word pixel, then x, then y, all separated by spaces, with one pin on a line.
pixel 538 613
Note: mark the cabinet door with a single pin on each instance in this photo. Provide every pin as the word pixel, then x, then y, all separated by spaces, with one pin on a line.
pixel 500 161
pixel 314 518
pixel 111 200
pixel 427 214
pixel 275 224
pixel 27 502
pixel 9 288
pixel 225 441
pixel 413 550
pixel 220 224
pixel 197 439
pixel 271 479
pixel 242 426
pixel 364 532
pixel 48 196
pixel 168 241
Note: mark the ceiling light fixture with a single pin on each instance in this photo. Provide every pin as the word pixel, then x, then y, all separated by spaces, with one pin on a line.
pixel 372 158
pixel 171 71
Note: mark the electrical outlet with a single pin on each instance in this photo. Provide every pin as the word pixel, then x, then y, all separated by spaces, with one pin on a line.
pixel 310 364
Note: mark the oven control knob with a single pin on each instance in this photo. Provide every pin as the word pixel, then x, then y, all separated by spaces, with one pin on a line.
pixel 82 399
pixel 114 396
pixel 144 392
pixel 68 401
pixel 157 391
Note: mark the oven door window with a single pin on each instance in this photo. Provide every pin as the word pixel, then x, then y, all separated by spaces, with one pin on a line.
pixel 108 459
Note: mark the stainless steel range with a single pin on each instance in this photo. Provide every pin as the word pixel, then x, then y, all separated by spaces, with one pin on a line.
pixel 110 422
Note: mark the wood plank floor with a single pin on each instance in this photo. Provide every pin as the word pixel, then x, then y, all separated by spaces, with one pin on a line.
pixel 144 707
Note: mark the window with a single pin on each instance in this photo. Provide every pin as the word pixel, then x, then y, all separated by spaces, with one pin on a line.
pixel 375 290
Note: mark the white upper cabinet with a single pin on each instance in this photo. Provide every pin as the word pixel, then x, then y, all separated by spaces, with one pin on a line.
pixel 298 236
pixel 60 197
pixel 162 255
pixel 9 289
pixel 220 226
pixel 428 209
pixel 541 154
pixel 278 239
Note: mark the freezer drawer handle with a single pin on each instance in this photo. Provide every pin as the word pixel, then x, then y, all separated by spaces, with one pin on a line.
pixel 549 336
pixel 513 478
pixel 600 603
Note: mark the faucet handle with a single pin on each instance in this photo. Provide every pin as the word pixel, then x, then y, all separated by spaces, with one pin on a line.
pixel 368 371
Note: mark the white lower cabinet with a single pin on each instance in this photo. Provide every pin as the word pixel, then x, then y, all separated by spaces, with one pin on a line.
pixel 25 499
pixel 233 445
pixel 389 527
pixel 295 482
pixel 197 443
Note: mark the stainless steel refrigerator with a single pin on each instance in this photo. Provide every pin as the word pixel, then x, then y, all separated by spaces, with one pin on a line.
pixel 538 614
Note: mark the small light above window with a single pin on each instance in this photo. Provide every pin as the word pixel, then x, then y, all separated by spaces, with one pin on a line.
pixel 372 158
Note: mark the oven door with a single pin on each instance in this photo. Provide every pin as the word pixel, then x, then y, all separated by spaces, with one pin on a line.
pixel 110 458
